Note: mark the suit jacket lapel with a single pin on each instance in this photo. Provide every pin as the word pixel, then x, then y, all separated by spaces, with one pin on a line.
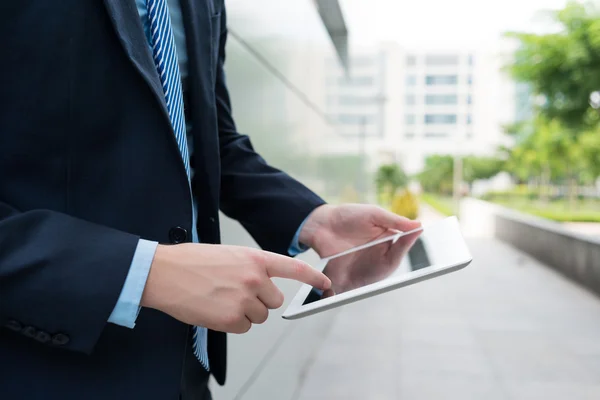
pixel 199 40
pixel 128 26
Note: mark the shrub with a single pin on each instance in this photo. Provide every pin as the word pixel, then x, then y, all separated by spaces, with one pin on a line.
pixel 406 204
pixel 389 178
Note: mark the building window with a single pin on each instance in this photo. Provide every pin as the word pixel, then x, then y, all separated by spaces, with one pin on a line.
pixel 409 135
pixel 441 99
pixel 362 61
pixel 469 99
pixel 410 119
pixel 435 135
pixel 469 119
pixel 470 79
pixel 431 80
pixel 411 80
pixel 357 81
pixel 411 61
pixel 440 118
pixel 410 100
pixel 354 100
pixel 471 60
pixel 354 119
pixel 441 59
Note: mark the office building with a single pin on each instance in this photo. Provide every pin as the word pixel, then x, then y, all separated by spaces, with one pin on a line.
pixel 402 106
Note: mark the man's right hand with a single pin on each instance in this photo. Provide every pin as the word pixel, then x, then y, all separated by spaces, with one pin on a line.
pixel 223 288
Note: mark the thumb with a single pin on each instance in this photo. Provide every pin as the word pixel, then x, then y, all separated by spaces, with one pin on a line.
pixel 389 220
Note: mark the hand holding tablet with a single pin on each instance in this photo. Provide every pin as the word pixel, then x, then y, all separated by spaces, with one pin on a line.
pixel 388 263
pixel 369 265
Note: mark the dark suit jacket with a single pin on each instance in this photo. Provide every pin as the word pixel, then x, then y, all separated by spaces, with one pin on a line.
pixel 88 165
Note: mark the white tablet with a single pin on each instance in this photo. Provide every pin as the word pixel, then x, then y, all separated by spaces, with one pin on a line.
pixel 385 264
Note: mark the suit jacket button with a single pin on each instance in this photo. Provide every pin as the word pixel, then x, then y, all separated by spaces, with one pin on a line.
pixel 43 337
pixel 13 325
pixel 60 339
pixel 177 235
pixel 29 331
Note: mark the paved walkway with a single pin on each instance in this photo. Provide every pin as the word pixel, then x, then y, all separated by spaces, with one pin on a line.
pixel 504 328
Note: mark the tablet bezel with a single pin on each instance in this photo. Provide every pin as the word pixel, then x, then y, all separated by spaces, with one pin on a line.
pixel 296 309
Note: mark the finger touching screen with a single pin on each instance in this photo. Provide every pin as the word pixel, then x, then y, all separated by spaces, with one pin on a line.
pixel 372 264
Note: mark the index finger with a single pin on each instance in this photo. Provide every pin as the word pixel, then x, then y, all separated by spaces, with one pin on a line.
pixel 278 266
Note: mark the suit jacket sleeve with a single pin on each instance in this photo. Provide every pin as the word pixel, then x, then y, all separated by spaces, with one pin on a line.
pixel 59 275
pixel 266 201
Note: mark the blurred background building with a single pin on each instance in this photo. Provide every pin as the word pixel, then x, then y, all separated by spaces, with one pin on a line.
pixel 411 104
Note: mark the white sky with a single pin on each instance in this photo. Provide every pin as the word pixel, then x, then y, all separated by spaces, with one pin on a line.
pixel 440 24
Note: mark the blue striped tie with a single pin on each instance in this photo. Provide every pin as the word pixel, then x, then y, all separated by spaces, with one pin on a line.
pixel 165 58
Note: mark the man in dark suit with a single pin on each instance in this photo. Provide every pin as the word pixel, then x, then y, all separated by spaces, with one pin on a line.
pixel 117 151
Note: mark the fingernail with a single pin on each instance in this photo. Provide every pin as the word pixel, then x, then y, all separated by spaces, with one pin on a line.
pixel 327 284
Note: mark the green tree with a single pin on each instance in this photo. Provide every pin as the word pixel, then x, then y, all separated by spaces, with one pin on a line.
pixel 475 168
pixel 590 145
pixel 437 175
pixel 552 153
pixel 563 67
pixel 530 158
pixel 389 178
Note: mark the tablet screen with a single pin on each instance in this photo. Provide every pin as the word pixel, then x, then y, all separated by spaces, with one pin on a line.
pixel 375 263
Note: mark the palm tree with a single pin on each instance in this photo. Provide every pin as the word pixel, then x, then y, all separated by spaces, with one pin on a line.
pixel 389 178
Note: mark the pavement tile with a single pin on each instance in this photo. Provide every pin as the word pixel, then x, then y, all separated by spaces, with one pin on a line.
pixel 553 391
pixel 505 328
pixel 436 387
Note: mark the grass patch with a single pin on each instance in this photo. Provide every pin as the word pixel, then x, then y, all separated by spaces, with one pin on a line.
pixel 442 204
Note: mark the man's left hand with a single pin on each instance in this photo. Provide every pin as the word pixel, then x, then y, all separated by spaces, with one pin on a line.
pixel 333 229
